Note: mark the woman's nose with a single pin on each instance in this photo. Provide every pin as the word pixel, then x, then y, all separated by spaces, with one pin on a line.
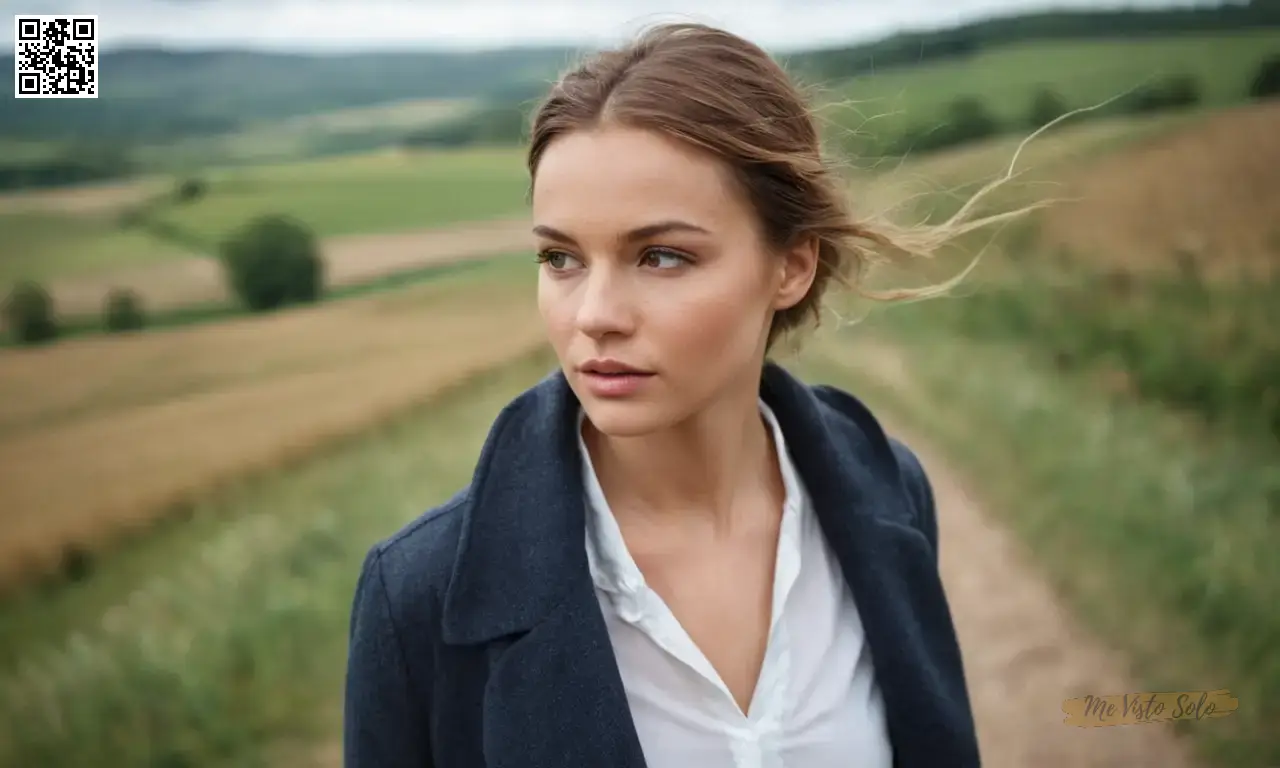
pixel 605 307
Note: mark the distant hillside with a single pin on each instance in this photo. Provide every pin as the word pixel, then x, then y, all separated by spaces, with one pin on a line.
pixel 910 48
pixel 149 95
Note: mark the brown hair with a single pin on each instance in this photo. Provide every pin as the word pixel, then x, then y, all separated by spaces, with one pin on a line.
pixel 726 95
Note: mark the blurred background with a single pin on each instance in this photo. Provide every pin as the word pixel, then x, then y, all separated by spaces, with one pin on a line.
pixel 266 293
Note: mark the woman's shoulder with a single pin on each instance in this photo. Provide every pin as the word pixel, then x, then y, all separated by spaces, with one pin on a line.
pixel 412 566
pixel 852 419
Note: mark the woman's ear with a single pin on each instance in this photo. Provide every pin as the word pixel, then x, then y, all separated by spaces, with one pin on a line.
pixel 798 267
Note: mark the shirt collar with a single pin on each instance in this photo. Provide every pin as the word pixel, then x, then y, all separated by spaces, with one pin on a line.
pixel 615 571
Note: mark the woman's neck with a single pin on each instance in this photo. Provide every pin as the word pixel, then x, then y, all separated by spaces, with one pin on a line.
pixel 695 472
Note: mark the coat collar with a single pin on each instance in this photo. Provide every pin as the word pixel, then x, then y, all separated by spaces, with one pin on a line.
pixel 522 543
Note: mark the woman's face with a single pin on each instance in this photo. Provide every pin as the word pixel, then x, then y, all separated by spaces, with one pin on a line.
pixel 656 289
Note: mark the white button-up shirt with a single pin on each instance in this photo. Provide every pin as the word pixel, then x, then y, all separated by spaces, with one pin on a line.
pixel 816 703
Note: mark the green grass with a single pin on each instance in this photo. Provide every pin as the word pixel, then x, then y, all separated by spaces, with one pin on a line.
pixel 1083 73
pixel 27 150
pixel 362 194
pixel 1211 349
pixel 224 635
pixel 45 246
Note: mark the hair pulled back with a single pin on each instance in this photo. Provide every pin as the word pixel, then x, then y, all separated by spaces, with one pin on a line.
pixel 721 93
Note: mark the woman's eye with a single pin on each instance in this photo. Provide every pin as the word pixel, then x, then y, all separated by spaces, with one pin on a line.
pixel 661 259
pixel 557 259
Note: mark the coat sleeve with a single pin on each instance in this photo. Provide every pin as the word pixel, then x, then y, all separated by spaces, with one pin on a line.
pixel 385 720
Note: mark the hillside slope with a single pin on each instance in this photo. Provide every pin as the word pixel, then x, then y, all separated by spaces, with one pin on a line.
pixel 150 94
pixel 1212 189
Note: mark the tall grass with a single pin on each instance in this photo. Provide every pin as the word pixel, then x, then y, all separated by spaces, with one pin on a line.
pixel 1210 349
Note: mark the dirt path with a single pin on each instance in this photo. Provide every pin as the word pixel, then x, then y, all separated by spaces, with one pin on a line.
pixel 349 259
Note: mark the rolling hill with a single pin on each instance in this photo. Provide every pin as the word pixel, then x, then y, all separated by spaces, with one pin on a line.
pixel 152 95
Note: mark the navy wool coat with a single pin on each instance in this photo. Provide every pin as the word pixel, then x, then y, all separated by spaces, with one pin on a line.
pixel 476 640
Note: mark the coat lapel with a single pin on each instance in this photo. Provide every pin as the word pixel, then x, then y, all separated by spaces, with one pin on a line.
pixel 555 697
pixel 521 585
pixel 861 501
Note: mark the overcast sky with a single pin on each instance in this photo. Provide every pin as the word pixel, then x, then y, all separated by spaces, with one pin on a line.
pixel 385 24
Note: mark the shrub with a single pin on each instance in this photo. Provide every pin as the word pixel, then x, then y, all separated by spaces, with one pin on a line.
pixel 189 190
pixel 123 311
pixel 273 261
pixel 1046 106
pixel 131 217
pixel 1266 81
pixel 967 119
pixel 1175 92
pixel 28 314
pixel 497 123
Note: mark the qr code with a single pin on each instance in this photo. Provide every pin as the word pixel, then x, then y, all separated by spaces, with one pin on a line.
pixel 56 57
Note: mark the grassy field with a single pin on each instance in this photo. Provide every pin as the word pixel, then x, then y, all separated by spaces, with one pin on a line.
pixel 168 415
pixel 19 150
pixel 380 192
pixel 1083 73
pixel 216 640
pixel 45 246
pixel 304 136
pixel 75 240
pixel 51 234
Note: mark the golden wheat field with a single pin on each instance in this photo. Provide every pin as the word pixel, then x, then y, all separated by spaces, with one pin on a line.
pixel 102 435
pixel 1212 189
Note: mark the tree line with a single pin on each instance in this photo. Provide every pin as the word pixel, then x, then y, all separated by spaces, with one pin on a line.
pixel 910 48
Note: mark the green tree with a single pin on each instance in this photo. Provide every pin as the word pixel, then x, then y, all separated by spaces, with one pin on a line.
pixel 122 311
pixel 28 314
pixel 273 261
pixel 1266 81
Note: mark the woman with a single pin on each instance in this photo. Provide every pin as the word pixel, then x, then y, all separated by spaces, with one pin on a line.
pixel 672 552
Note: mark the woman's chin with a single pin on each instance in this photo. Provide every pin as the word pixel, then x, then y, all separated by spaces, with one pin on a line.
pixel 625 418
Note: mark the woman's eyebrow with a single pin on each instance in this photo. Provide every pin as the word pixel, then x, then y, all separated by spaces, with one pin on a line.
pixel 639 233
